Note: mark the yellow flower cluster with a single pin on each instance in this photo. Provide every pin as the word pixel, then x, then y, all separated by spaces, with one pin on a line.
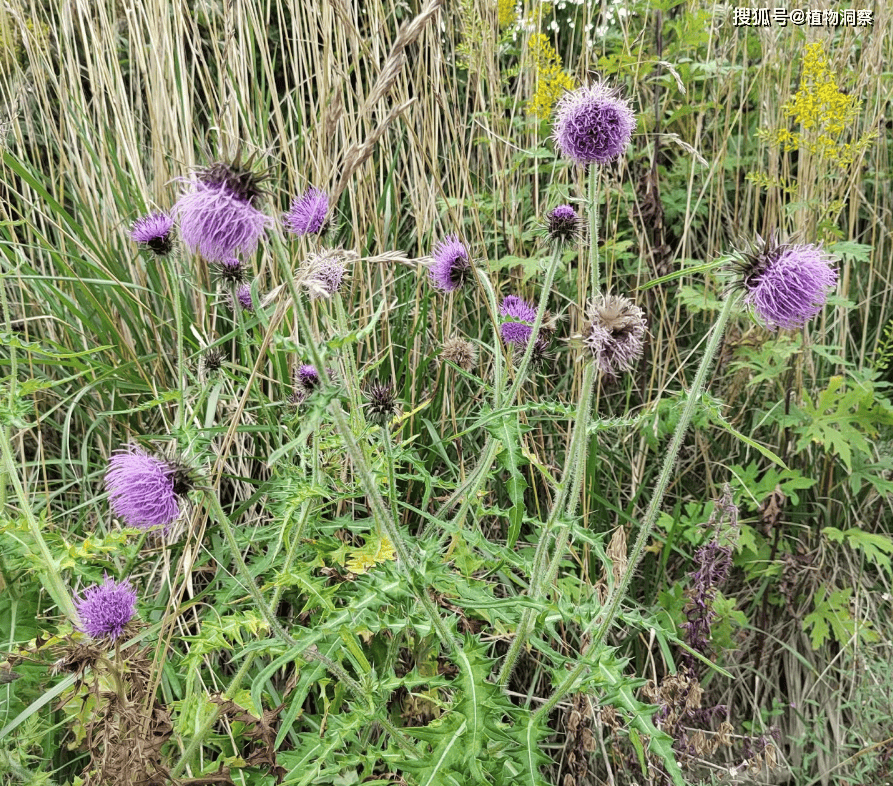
pixel 551 81
pixel 373 553
pixel 505 12
pixel 823 112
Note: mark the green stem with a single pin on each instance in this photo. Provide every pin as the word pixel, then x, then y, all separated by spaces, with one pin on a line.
pixel 51 577
pixel 539 574
pixel 594 265
pixel 347 358
pixel 181 365
pixel 605 619
pixel 497 340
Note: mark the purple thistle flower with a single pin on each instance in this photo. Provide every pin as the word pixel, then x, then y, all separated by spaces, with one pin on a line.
pixel 307 377
pixel 787 285
pixel 104 609
pixel 451 266
pixel 593 125
pixel 521 316
pixel 217 215
pixel 143 490
pixel 563 224
pixel 154 231
pixel 243 295
pixel 615 333
pixel 308 213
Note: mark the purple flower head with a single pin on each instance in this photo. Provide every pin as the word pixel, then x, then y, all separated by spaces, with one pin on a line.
pixel 451 266
pixel 323 272
pixel 593 125
pixel 217 214
pixel 143 490
pixel 308 213
pixel 104 609
pixel 243 295
pixel 154 231
pixel 615 333
pixel 521 316
pixel 231 271
pixel 787 285
pixel 307 377
pixel 563 225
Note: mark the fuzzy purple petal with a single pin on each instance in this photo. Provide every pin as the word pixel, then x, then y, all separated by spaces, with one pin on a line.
pixel 217 223
pixel 451 264
pixel 141 489
pixel 593 125
pixel 520 316
pixel 155 226
pixel 308 213
pixel 793 288
pixel 104 609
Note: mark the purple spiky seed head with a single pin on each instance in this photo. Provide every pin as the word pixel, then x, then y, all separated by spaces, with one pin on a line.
pixel 563 224
pixel 217 214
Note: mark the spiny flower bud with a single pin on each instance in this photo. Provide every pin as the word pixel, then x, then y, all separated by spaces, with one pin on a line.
pixel 381 404
pixel 563 224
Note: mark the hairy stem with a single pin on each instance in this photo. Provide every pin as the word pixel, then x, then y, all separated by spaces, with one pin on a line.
pixel 604 620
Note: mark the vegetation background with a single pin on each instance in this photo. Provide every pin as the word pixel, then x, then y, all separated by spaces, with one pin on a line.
pixel 105 104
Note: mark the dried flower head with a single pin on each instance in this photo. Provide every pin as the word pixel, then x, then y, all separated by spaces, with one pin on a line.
pixel 786 285
pixel 519 316
pixel 154 231
pixel 593 125
pixel 217 213
pixel 308 213
pixel 231 271
pixel 451 267
pixel 461 352
pixel 615 333
pixel 381 405
pixel 323 272
pixel 144 490
pixel 104 609
pixel 563 224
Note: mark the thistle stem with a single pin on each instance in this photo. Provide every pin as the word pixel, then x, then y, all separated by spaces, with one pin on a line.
pixel 594 265
pixel 540 573
pixel 606 617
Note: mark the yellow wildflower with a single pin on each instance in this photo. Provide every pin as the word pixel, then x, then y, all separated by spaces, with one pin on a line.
pixel 505 12
pixel 551 81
